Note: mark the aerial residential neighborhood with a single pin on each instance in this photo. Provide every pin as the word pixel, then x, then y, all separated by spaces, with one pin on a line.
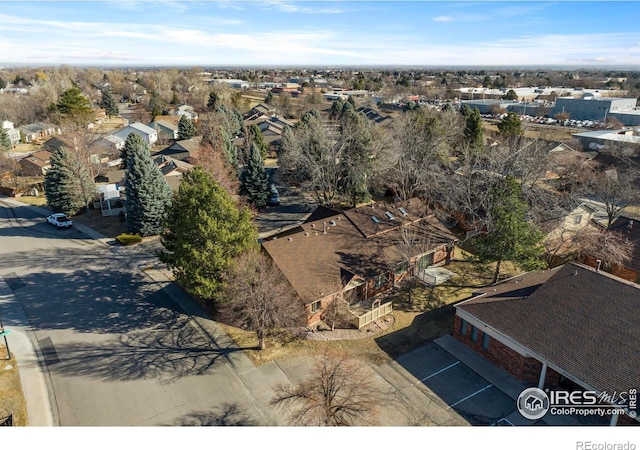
pixel 415 242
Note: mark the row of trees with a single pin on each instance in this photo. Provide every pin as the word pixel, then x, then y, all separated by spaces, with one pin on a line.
pixel 444 158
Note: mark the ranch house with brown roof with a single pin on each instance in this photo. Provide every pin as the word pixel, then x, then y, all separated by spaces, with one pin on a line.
pixel 350 257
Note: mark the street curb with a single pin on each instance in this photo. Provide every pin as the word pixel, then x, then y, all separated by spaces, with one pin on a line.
pixel 31 367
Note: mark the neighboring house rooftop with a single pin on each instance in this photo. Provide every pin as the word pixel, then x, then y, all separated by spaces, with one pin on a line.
pixel 583 322
pixel 170 166
pixel 143 128
pixel 373 115
pixel 186 145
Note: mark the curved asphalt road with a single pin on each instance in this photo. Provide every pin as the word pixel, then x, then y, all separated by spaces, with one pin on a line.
pixel 118 347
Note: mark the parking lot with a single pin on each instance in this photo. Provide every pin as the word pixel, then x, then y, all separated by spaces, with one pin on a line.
pixel 475 398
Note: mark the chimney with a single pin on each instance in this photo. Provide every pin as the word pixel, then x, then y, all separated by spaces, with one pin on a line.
pixel 598 264
pixel 630 224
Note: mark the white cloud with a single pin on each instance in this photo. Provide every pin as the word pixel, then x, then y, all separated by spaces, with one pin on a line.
pixel 293 7
pixel 443 19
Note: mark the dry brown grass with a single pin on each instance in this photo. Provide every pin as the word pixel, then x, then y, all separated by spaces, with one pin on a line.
pixel 11 399
pixel 109 226
pixel 559 134
pixel 428 315
pixel 41 200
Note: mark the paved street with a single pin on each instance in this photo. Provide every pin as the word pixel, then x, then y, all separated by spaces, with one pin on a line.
pixel 118 350
pixel 118 344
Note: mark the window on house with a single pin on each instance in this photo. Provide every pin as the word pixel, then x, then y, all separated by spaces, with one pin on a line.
pixel 402 268
pixel 381 280
pixel 315 306
pixel 485 341
pixel 463 327
pixel 474 334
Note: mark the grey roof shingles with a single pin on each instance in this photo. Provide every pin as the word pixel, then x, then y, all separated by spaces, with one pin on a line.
pixel 583 321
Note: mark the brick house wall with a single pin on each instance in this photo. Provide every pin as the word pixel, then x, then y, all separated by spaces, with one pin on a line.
pixel 617 270
pixel 524 369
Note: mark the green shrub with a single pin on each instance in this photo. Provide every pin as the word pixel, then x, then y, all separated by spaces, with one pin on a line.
pixel 129 239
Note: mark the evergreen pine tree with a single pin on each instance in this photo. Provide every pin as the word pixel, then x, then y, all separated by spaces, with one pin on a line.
pixel 74 108
pixel 109 104
pixel 148 194
pixel 473 131
pixel 205 232
pixel 230 151
pixel 5 141
pixel 255 179
pixel 186 128
pixel 510 126
pixel 67 184
pixel 510 236
pixel 214 101
pixel 258 139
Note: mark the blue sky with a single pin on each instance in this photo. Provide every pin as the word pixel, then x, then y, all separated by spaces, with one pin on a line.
pixel 315 33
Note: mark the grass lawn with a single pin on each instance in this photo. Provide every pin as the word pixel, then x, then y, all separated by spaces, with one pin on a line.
pixel 418 319
pixel 11 399
pixel 40 200
pixel 109 226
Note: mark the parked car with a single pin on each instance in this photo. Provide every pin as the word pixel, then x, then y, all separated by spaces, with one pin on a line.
pixel 274 196
pixel 60 220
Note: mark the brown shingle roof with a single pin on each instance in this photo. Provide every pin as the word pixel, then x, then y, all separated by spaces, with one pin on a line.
pixel 582 321
pixel 315 262
pixel 363 217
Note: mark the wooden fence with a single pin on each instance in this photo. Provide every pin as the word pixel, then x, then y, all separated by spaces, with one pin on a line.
pixel 368 317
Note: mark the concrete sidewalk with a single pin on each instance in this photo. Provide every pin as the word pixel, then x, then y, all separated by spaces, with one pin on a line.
pixel 33 373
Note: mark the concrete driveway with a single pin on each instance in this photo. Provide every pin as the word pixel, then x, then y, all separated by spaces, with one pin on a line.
pixel 463 390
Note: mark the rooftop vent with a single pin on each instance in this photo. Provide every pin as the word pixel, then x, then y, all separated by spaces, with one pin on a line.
pixel 375 219
pixel 290 239
pixel 332 223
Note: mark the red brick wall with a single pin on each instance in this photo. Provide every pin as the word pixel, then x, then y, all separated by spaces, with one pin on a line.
pixel 524 369
pixel 314 317
pixel 617 270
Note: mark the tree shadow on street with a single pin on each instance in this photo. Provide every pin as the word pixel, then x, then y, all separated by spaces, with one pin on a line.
pixel 167 352
pixel 226 415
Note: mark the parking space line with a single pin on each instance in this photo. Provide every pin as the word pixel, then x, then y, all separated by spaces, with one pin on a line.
pixel 471 395
pixel 441 370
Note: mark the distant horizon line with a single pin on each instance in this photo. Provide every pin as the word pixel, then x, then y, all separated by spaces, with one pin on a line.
pixel 627 67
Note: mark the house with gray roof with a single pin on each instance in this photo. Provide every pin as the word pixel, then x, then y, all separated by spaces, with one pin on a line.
pixel 148 134
pixel 573 327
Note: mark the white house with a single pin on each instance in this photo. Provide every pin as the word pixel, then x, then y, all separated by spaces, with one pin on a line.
pixel 188 111
pixel 148 134
pixel 13 133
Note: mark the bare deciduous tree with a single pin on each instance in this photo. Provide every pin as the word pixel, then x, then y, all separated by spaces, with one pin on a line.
pixel 213 161
pixel 565 245
pixel 258 297
pixel 615 188
pixel 340 392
